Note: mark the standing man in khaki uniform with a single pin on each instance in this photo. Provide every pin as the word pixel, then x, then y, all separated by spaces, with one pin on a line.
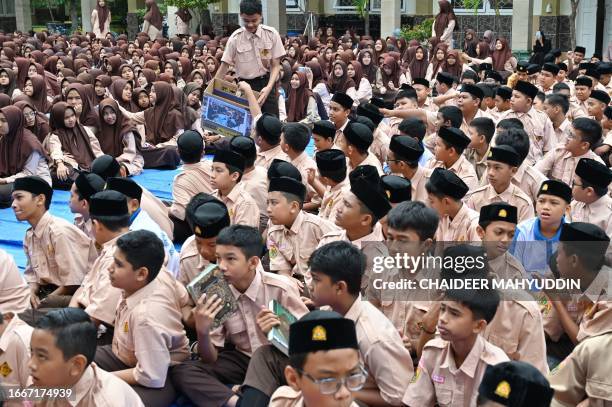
pixel 255 51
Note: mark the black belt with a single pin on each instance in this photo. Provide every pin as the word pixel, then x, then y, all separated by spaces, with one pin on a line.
pixel 259 78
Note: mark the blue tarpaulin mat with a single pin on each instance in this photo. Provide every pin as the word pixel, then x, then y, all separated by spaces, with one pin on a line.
pixel 12 232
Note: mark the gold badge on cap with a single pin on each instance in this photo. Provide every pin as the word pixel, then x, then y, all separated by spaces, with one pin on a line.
pixel 503 389
pixel 319 333
pixel 502 213
pixel 545 187
pixel 388 194
pixel 490 154
pixel 197 230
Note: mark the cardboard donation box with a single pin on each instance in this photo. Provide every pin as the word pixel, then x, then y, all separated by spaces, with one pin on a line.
pixel 225 111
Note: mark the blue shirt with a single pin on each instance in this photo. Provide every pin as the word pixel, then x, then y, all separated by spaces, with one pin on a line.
pixel 426 156
pixel 141 220
pixel 531 248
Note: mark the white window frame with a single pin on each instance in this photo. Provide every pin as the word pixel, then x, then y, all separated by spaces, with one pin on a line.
pixel 377 10
pixel 343 8
pixel 487 9
pixel 294 9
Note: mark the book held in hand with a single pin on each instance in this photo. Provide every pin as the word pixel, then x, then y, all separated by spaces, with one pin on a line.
pixel 210 282
pixel 279 335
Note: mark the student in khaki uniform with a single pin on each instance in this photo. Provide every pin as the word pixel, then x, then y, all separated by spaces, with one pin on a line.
pixel 583 378
pixel 358 218
pixel 323 351
pixel 337 271
pixel 514 384
pixel 537 125
pixel 15 337
pixel 527 178
pixel 255 51
pixel 96 295
pixel 63 348
pixel 469 100
pixel 450 144
pixel 380 143
pixel 14 291
pixel 458 222
pixel 598 101
pixel 195 178
pixel 591 203
pixel 323 135
pixel 293 234
pixel 355 144
pixel 332 181
pixel 481 132
pixel 141 220
pixel 57 252
pixel 106 166
pixel 339 110
pixel 503 94
pixel 228 167
pixel 452 366
pixel 254 177
pixel 403 159
pixel 294 140
pixel 580 255
pixel 204 381
pixel 502 164
pixel 517 327
pixel 411 230
pixel 149 335
pixel 84 186
pixel 207 217
pixel 556 107
pixel 561 162
pixel 267 130
pixel 583 86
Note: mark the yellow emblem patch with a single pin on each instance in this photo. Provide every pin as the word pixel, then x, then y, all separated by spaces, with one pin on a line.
pixel 231 212
pixel 490 154
pixel 545 187
pixel 502 213
pixel 319 333
pixel 265 52
pixel 388 194
pixel 273 252
pixel 197 230
pixel 503 389
pixel 125 327
pixel 5 369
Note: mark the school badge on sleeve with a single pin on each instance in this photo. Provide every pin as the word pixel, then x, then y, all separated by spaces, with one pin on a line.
pixel 125 327
pixel 5 369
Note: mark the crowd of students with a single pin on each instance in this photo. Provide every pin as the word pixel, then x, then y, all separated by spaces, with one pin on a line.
pixel 415 145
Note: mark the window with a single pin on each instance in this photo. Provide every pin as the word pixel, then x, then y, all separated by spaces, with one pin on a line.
pixel 375 5
pixel 484 6
pixel 7 8
pixel 344 5
pixel 292 4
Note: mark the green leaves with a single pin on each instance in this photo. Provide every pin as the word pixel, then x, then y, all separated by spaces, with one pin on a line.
pixel 420 32
pixel 362 7
pixel 192 4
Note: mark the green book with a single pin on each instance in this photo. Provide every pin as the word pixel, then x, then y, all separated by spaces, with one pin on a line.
pixel 210 281
pixel 279 335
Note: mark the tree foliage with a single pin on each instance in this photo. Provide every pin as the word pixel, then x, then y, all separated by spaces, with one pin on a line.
pixel 420 32
pixel 192 4
pixel 362 8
